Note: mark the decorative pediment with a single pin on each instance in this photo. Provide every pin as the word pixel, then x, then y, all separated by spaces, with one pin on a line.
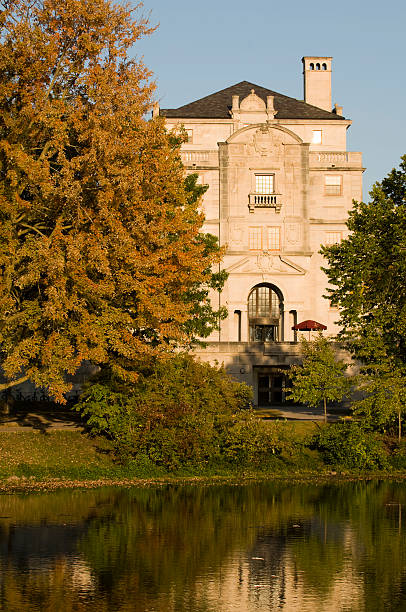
pixel 261 131
pixel 265 262
pixel 252 109
pixel 252 103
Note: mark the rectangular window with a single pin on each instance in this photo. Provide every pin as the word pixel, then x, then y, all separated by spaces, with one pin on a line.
pixel 333 184
pixel 264 183
pixel 189 136
pixel 255 238
pixel 274 238
pixel 333 237
pixel 316 137
pixel 264 238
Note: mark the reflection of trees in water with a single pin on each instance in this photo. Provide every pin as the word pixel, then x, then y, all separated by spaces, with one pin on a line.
pixel 169 547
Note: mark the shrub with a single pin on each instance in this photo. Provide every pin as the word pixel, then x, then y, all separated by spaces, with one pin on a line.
pixel 398 455
pixel 247 440
pixel 180 411
pixel 350 445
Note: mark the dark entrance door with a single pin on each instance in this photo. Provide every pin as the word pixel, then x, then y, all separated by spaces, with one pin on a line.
pixel 270 389
pixel 264 333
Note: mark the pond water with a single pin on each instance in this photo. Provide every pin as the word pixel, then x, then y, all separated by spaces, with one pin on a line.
pixel 263 546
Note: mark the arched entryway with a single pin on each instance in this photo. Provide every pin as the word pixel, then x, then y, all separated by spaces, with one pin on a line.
pixel 265 313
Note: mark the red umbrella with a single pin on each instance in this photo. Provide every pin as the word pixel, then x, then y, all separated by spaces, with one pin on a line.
pixel 309 325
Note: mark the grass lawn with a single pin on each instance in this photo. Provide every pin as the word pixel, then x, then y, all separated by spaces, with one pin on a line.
pixel 301 429
pixel 56 452
pixel 305 428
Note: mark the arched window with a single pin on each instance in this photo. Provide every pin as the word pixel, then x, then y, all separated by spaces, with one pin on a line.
pixel 317 66
pixel 265 314
pixel 324 66
pixel 311 66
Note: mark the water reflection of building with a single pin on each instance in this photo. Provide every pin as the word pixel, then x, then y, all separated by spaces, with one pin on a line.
pixel 270 578
pixel 242 588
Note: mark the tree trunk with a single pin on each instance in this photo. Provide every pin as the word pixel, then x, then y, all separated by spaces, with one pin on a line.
pixel 13 383
pixel 7 404
pixel 325 409
pixel 399 426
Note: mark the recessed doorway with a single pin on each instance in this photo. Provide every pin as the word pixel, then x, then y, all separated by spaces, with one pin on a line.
pixel 271 386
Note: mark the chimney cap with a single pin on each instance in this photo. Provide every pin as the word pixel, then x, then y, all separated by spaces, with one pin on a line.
pixel 317 57
pixel 317 62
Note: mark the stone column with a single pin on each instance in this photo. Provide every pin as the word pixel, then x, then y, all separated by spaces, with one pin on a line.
pixel 287 325
pixel 244 324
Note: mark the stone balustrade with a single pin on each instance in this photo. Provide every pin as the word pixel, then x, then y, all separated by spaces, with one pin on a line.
pixel 335 158
pixel 265 200
pixel 199 158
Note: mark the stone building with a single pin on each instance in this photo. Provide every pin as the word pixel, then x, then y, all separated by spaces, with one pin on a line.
pixel 281 182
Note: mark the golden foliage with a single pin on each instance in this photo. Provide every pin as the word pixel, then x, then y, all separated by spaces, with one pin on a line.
pixel 98 242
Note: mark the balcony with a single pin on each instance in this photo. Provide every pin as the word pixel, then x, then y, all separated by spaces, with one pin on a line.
pixel 265 200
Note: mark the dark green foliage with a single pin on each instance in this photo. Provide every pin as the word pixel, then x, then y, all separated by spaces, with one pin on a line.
pixel 398 456
pixel 180 411
pixel 384 396
pixel 249 441
pixel 194 190
pixel 349 445
pixel 204 317
pixel 367 272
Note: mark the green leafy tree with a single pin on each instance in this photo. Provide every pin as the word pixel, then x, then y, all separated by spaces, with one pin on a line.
pixel 203 317
pixel 367 273
pixel 320 377
pixel 384 388
pixel 101 256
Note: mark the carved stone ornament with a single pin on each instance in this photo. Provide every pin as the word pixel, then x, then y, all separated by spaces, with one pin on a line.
pixel 268 262
pixel 236 234
pixel 293 233
pixel 265 143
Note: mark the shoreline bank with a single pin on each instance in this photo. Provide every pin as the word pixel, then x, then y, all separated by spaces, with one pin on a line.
pixel 22 484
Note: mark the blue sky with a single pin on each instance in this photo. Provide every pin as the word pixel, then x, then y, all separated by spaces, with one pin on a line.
pixel 201 47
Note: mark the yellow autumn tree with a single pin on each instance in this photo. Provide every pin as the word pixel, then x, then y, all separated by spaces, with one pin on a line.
pixel 101 256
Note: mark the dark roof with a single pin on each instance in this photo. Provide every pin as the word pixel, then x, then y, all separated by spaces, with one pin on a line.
pixel 218 105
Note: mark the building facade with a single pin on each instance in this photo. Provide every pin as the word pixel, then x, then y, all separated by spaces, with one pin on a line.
pixel 281 182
